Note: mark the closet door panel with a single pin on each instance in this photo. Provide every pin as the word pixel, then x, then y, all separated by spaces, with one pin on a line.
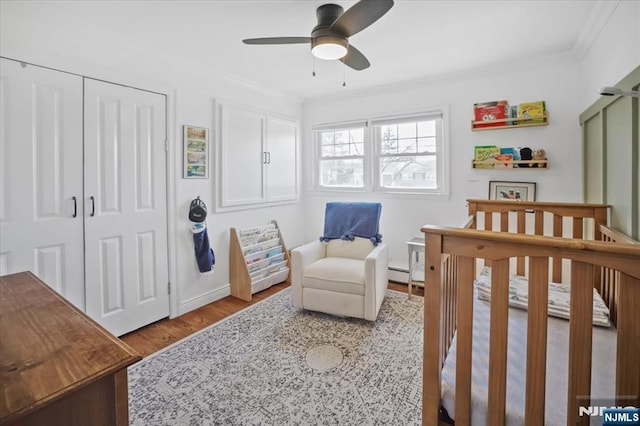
pixel 126 230
pixel 243 156
pixel 282 173
pixel 619 164
pixel 41 176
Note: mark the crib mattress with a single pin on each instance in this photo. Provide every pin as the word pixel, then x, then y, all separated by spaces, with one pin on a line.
pixel 602 379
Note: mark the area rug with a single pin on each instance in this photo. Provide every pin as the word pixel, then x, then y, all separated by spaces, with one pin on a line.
pixel 272 364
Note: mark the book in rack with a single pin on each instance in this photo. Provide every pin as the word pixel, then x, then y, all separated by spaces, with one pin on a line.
pixel 258 259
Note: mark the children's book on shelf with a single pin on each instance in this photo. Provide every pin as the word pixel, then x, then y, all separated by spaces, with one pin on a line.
pixel 485 156
pixel 513 113
pixel 503 161
pixel 532 109
pixel 515 153
pixel 487 111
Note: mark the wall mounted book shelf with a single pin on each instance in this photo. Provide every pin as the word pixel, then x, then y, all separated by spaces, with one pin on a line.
pixel 511 165
pixel 510 123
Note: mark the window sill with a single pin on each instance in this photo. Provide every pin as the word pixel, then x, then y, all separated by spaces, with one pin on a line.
pixel 412 195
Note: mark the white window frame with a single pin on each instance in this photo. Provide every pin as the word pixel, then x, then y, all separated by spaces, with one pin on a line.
pixel 438 154
pixel 318 158
pixel 372 154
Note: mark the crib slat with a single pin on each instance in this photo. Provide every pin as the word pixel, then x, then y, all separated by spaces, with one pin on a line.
pixel 498 341
pixel 539 222
pixel 580 338
pixel 557 261
pixel 522 224
pixel 431 378
pixel 578 227
pixel 537 340
pixel 488 221
pixel 627 366
pixel 464 326
pixel 504 221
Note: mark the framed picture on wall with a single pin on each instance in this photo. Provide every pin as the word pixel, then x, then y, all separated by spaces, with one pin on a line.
pixel 196 152
pixel 512 191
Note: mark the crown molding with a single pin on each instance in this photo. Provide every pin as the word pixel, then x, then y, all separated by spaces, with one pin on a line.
pixel 488 70
pixel 598 18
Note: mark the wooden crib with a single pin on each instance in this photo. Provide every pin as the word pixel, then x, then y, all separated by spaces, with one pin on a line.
pixel 533 238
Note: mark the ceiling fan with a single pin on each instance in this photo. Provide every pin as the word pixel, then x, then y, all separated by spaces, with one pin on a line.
pixel 330 38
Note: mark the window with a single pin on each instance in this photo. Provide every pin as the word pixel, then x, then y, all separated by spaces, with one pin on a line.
pixel 408 152
pixel 341 162
pixel 391 154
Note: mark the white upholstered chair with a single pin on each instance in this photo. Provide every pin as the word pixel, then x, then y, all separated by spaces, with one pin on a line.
pixel 347 278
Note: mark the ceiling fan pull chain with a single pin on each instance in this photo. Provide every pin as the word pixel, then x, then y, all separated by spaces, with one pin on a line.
pixel 344 79
pixel 314 66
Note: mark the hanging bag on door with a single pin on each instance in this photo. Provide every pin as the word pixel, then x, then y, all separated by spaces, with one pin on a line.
pixel 203 251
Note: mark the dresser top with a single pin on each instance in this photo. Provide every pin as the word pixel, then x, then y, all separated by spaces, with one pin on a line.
pixel 48 347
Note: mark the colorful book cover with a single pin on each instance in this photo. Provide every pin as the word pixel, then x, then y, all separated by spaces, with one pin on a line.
pixel 515 154
pixel 532 109
pixel 485 156
pixel 503 161
pixel 487 111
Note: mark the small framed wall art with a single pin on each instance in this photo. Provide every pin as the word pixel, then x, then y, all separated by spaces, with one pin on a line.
pixel 196 152
pixel 512 191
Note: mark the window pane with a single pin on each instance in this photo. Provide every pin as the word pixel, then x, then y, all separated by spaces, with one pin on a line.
pixel 427 145
pixel 388 140
pixel 407 130
pixel 427 128
pixel 407 146
pixel 327 138
pixel 357 148
pixel 342 150
pixel 342 136
pixel 342 143
pixel 409 172
pixel 328 150
pixel 342 173
pixel 357 135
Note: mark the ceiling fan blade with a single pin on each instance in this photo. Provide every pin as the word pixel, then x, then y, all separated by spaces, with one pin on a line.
pixel 277 40
pixel 355 59
pixel 360 16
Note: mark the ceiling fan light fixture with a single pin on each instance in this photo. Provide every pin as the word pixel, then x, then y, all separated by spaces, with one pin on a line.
pixel 329 47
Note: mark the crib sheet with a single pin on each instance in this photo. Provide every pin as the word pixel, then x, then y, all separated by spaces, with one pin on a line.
pixel 603 367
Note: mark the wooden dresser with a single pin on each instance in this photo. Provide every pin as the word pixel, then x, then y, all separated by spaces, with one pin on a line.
pixel 57 366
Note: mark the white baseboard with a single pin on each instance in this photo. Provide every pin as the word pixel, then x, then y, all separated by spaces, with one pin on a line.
pixel 206 298
pixel 398 275
pixel 395 274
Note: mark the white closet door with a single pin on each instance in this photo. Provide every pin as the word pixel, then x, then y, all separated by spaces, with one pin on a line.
pixel 243 156
pixel 40 173
pixel 282 173
pixel 125 213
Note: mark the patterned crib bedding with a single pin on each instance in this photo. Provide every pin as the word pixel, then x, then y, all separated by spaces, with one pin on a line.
pixel 559 295
pixel 603 367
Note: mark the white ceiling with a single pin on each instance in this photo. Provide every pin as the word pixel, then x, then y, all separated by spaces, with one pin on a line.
pixel 415 39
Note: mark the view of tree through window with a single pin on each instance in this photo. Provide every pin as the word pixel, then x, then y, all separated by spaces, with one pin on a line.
pixel 342 158
pixel 408 154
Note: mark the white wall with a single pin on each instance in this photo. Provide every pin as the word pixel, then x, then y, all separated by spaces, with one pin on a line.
pixel 614 53
pixel 552 80
pixel 37 38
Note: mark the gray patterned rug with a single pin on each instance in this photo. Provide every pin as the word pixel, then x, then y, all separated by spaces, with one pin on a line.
pixel 271 364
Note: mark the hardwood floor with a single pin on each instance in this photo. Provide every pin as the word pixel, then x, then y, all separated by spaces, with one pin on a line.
pixel 160 334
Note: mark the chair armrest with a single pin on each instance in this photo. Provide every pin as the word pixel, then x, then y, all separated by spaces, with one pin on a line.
pixel 301 258
pixel 376 267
